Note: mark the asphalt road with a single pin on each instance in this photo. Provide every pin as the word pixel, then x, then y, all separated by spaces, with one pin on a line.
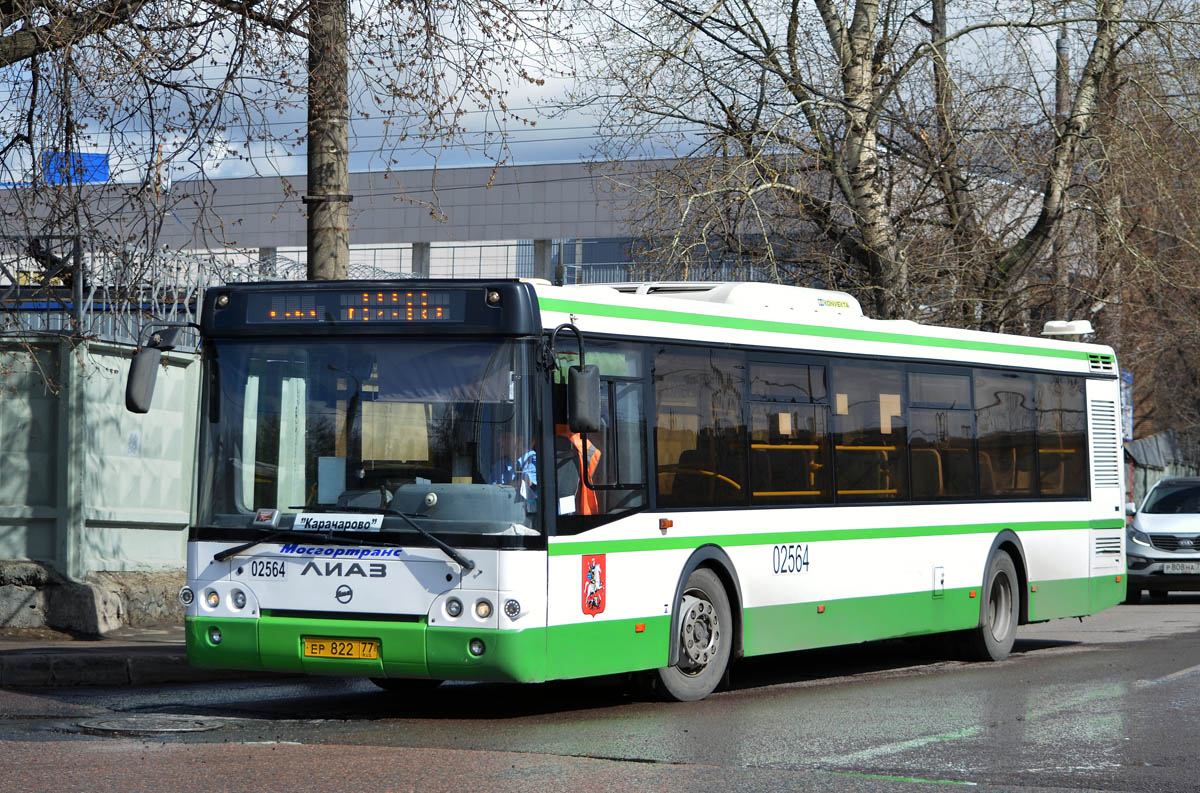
pixel 1111 703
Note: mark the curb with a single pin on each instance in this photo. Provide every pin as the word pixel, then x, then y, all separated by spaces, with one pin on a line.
pixel 135 667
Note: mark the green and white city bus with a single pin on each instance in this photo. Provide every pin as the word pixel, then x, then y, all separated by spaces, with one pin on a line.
pixel 512 481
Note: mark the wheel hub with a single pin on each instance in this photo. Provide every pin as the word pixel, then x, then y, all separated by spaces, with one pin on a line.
pixel 699 633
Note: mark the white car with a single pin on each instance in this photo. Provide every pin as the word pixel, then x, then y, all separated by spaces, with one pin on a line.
pixel 1163 543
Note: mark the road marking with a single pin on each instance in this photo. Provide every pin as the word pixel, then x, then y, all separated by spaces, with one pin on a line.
pixel 1191 670
pixel 1108 692
pixel 919 780
pixel 901 746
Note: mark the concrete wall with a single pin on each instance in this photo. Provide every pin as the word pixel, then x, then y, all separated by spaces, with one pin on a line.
pixel 1142 478
pixel 85 486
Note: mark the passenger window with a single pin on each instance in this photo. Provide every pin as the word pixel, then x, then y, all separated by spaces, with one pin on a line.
pixel 1004 417
pixel 941 435
pixel 1062 436
pixel 700 437
pixel 789 436
pixel 870 440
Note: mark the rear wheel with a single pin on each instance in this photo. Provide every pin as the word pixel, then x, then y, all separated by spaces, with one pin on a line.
pixel 999 612
pixel 705 638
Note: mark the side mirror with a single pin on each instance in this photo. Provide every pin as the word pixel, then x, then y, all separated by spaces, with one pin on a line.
pixel 143 370
pixel 1130 508
pixel 583 398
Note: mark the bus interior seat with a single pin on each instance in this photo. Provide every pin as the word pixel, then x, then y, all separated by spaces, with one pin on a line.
pixel 761 479
pixel 927 479
pixel 691 486
pixel 987 480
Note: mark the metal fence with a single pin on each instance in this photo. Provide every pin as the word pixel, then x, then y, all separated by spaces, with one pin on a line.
pixel 112 297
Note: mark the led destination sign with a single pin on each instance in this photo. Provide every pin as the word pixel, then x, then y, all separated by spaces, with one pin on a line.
pixel 344 307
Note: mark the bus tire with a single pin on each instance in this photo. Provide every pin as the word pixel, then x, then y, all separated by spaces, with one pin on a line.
pixel 705 639
pixel 1000 611
pixel 406 685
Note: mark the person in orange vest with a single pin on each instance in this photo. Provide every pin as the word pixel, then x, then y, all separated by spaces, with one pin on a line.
pixel 586 502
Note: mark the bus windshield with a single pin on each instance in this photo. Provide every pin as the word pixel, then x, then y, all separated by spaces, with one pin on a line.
pixel 437 429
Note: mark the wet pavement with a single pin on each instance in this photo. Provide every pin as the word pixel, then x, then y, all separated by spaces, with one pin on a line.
pixel 1112 703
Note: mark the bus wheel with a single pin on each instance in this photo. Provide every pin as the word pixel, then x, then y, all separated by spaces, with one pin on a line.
pixel 1000 611
pixel 705 638
pixel 406 685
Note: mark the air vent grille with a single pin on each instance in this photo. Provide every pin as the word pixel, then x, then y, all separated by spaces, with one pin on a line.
pixel 1108 545
pixel 1106 447
pixel 1101 363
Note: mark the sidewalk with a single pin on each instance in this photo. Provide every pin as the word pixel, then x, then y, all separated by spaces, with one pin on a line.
pixel 124 657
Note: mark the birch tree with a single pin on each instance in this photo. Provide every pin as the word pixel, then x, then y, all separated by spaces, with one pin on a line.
pixel 907 150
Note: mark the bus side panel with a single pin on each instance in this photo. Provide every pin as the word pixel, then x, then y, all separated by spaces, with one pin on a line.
pixel 855 590
pixel 1061 580
pixel 773 629
pixel 630 633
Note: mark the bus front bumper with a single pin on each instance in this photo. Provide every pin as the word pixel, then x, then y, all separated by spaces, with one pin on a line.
pixel 407 649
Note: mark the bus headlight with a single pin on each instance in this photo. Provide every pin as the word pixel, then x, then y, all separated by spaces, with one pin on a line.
pixel 483 609
pixel 186 596
pixel 477 647
pixel 453 607
pixel 512 608
pixel 212 598
pixel 237 598
pixel 214 635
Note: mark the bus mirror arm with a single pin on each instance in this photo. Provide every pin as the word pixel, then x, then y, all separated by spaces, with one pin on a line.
pixel 583 387
pixel 143 369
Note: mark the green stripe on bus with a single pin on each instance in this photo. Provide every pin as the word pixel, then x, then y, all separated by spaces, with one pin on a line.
pixel 770 326
pixel 604 647
pixel 575 547
pixel 599 646
pixel 829 623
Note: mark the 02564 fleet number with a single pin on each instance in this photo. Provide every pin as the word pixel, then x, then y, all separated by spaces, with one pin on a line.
pixel 267 568
pixel 791 558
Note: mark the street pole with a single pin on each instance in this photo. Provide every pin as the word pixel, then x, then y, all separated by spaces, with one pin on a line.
pixel 328 196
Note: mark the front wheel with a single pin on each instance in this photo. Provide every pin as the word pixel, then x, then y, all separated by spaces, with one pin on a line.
pixel 705 638
pixel 999 612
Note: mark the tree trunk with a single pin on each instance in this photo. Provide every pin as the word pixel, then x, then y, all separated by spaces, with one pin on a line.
pixel 328 196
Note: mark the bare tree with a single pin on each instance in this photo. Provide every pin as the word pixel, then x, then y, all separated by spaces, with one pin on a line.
pixel 1145 207
pixel 168 89
pixel 902 149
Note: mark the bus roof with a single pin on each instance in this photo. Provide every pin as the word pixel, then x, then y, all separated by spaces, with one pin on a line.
pixel 796 318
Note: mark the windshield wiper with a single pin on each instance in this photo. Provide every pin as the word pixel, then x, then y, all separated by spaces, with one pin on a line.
pixel 293 534
pixel 442 545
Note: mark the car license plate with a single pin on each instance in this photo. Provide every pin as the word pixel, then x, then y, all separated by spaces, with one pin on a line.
pixel 1181 567
pixel 332 647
